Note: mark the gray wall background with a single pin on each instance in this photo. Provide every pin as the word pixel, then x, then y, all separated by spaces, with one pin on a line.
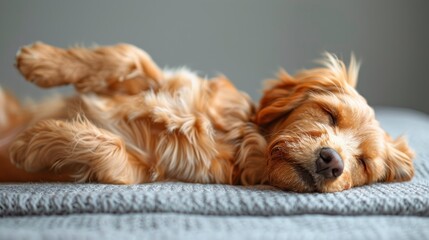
pixel 247 40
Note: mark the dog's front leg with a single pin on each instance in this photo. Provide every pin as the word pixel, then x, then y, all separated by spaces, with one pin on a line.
pixel 121 68
pixel 89 152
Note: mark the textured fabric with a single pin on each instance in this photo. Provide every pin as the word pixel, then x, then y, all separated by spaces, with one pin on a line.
pixel 183 226
pixel 195 211
pixel 46 199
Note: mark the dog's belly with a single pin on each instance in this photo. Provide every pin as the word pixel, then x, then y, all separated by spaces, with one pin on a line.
pixel 176 143
pixel 187 129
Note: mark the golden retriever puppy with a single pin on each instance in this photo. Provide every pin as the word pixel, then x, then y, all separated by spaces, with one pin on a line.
pixel 132 122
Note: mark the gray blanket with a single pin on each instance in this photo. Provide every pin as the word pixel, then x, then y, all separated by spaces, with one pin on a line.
pixel 195 211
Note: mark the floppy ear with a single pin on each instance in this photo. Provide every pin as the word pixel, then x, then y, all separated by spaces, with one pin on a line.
pixel 281 98
pixel 399 160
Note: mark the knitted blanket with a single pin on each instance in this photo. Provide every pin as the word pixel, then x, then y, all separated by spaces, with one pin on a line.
pixel 195 211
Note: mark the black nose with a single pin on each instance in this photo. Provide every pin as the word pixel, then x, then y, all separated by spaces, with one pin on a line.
pixel 329 164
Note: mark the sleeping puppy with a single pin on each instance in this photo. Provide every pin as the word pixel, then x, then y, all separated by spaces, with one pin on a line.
pixel 132 122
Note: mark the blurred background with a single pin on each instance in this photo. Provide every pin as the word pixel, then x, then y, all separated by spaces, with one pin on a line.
pixel 247 40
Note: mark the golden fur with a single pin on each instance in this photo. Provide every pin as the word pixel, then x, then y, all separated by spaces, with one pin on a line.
pixel 132 122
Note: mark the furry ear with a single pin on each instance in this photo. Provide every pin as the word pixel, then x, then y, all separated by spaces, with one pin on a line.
pixel 279 99
pixel 399 160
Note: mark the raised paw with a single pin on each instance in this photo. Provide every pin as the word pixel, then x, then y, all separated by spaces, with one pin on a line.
pixel 41 63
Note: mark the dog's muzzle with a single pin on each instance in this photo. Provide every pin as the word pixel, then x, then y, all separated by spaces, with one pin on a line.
pixel 329 164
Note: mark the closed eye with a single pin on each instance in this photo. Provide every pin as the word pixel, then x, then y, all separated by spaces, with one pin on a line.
pixel 362 162
pixel 331 114
pixel 333 120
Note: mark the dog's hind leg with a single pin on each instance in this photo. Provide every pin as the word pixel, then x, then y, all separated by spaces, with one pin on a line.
pixel 79 147
pixel 121 68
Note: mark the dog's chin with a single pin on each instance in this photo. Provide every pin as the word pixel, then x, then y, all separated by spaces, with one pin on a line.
pixel 292 177
pixel 306 177
pixel 304 180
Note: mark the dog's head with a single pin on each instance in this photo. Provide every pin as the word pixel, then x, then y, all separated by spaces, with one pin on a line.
pixel 322 135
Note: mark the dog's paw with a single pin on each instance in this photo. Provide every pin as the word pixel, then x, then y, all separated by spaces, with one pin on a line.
pixel 41 64
pixel 25 156
pixel 17 153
